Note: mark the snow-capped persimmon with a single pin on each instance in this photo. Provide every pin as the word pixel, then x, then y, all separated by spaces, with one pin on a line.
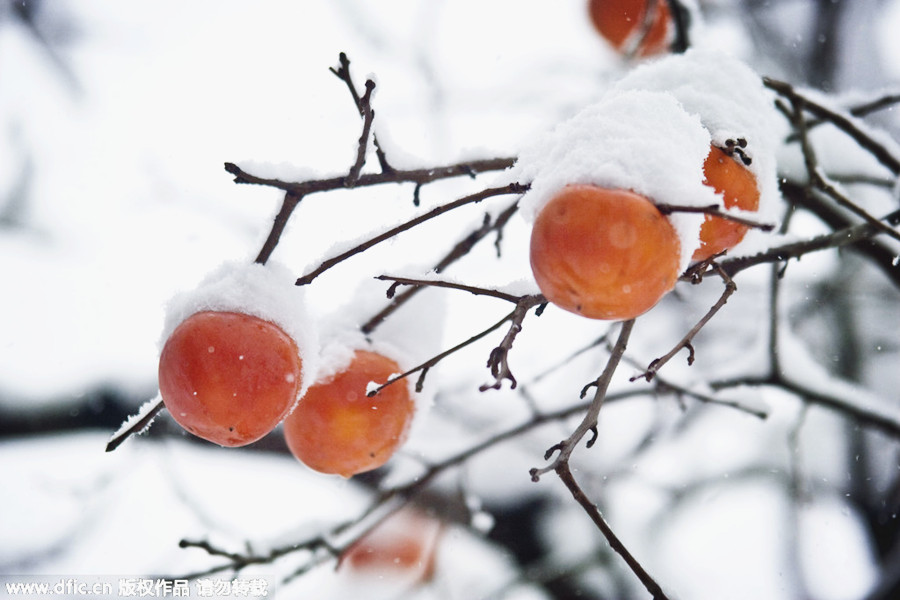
pixel 336 428
pixel 405 544
pixel 603 253
pixel 229 377
pixel 623 22
pixel 737 185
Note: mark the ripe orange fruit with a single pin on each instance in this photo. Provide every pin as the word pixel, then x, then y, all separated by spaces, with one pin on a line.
pixel 336 428
pixel 404 544
pixel 739 190
pixel 620 20
pixel 603 253
pixel 228 377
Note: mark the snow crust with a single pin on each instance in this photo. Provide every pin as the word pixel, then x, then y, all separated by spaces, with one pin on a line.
pixel 265 291
pixel 651 132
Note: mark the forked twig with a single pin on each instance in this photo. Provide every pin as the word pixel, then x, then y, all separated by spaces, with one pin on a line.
pixel 512 188
pixel 564 449
pixel 685 342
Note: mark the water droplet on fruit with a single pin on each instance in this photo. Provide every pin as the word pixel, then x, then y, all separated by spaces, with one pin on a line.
pixel 626 289
pixel 289 378
pixel 211 349
pixel 241 357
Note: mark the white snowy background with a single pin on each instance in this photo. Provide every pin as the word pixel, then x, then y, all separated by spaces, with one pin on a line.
pixel 114 198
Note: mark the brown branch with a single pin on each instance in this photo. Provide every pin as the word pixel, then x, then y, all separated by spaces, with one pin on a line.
pixel 425 366
pixel 818 178
pixel 685 342
pixel 716 211
pixel 362 105
pixel 525 301
pixel 462 248
pixel 859 110
pixel 564 449
pixel 841 121
pixel 120 436
pixel 498 361
pixel 288 205
pixel 879 254
pixel 513 188
pixel 368 117
pixel 840 238
pixel 593 511
pixel 419 176
pixel 477 291
pixel 589 422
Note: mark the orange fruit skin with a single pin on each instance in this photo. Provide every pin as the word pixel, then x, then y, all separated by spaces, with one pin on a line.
pixel 602 253
pixel 738 187
pixel 229 378
pixel 618 20
pixel 404 543
pixel 337 429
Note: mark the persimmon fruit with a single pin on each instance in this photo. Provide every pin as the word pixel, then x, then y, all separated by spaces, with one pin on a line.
pixel 737 185
pixel 621 21
pixel 603 253
pixel 404 544
pixel 229 377
pixel 336 428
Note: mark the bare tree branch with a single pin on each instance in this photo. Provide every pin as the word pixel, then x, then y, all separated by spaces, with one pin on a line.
pixel 685 342
pixel 513 188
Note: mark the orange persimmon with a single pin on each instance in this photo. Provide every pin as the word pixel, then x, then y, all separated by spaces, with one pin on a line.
pixel 738 188
pixel 603 253
pixel 404 544
pixel 336 428
pixel 229 377
pixel 620 21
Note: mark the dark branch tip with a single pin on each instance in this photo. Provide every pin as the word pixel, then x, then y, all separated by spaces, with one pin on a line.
pixel 594 435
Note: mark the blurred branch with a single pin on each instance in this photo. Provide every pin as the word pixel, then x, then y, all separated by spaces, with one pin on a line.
pixel 839 120
pixel 819 180
pixel 842 237
pixel 877 253
pixel 681 19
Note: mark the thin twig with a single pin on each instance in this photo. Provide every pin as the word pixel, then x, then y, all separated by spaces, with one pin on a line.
pixel 841 121
pixel 139 425
pixel 477 291
pixel 420 176
pixel 819 179
pixel 589 423
pixel 564 449
pixel 513 188
pixel 498 361
pixel 565 474
pixel 837 239
pixel 462 248
pixel 685 342
pixel 368 115
pixel 716 211
pixel 288 205
pixel 362 105
pixel 425 366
